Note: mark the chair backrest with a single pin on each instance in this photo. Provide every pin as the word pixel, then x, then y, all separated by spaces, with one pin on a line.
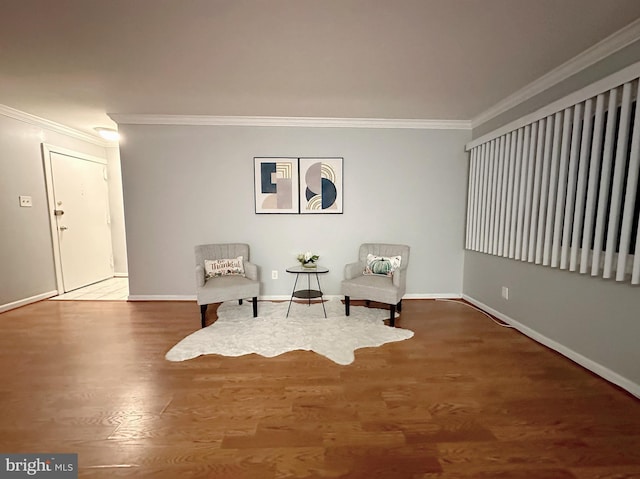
pixel 384 249
pixel 221 251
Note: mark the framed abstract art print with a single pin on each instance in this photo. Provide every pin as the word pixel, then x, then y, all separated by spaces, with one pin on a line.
pixel 320 185
pixel 276 185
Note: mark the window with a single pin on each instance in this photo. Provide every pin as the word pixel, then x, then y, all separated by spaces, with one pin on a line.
pixel 562 190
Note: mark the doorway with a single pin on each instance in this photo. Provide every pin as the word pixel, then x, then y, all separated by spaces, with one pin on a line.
pixel 78 194
pixel 112 289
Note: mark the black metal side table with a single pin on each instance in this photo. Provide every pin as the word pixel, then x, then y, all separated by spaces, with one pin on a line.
pixel 308 293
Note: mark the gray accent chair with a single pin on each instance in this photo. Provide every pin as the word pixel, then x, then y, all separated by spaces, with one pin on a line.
pixel 382 289
pixel 225 288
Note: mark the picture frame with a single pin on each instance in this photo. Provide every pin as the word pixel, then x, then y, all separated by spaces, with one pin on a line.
pixel 321 185
pixel 277 185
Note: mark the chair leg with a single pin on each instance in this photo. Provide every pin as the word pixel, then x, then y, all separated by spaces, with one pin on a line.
pixel 203 314
pixel 399 305
pixel 392 318
pixel 346 305
pixel 255 306
pixel 240 302
pixel 367 303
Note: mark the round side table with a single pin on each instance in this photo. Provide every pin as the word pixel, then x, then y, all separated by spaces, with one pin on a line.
pixel 307 293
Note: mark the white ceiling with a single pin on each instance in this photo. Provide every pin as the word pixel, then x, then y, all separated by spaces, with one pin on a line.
pixel 74 61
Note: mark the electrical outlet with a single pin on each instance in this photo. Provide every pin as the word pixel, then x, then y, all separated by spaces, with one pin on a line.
pixel 274 274
pixel 505 293
pixel 25 201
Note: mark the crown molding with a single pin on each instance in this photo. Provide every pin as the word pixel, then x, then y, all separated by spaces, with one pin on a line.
pixel 627 74
pixel 590 56
pixel 204 120
pixel 53 126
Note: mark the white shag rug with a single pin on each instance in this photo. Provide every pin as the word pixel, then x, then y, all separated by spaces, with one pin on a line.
pixel 236 332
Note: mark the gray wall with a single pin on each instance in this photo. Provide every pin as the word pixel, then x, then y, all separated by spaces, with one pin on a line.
pixel 26 248
pixel 596 318
pixel 186 185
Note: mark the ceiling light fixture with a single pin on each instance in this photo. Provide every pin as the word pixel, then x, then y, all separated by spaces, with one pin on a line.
pixel 108 134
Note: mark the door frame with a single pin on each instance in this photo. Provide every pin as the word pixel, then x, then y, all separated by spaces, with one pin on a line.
pixel 47 149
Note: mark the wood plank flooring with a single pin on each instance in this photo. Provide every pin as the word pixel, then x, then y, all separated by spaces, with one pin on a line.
pixel 464 398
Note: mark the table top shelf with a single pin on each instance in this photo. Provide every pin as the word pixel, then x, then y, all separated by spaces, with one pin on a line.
pixel 301 269
pixel 308 293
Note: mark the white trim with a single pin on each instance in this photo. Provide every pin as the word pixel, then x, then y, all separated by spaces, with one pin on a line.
pixel 280 297
pixel 53 126
pixel 205 120
pixel 175 297
pixel 287 297
pixel 625 75
pixel 433 296
pixel 120 275
pixel 341 296
pixel 160 297
pixel 588 57
pixel 578 358
pixel 25 301
pixel 73 153
pixel 55 241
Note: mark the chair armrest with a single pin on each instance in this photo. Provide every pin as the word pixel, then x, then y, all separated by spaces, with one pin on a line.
pixel 251 270
pixel 399 279
pixel 353 270
pixel 199 276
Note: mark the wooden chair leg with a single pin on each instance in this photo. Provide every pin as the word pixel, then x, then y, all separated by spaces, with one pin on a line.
pixel 367 303
pixel 203 314
pixel 255 306
pixel 392 318
pixel 240 302
pixel 346 305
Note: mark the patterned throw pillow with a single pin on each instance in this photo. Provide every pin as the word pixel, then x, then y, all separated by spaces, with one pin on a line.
pixel 382 265
pixel 215 268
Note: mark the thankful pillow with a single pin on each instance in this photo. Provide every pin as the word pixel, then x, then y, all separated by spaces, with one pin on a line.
pixel 382 265
pixel 215 268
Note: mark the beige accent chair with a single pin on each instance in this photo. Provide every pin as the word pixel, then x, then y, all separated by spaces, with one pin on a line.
pixel 225 288
pixel 383 289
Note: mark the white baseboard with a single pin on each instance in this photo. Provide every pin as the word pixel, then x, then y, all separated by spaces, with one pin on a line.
pixel 158 297
pixel 578 358
pixel 433 296
pixel 120 275
pixel 285 297
pixel 154 297
pixel 25 301
pixel 281 297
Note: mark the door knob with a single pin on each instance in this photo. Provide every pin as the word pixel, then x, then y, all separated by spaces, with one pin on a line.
pixel 62 228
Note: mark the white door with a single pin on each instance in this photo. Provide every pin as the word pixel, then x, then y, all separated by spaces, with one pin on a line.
pixel 81 198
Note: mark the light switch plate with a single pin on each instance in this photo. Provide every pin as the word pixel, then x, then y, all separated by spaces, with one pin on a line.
pixel 25 201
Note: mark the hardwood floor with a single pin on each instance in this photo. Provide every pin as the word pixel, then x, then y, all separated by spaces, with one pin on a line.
pixel 464 398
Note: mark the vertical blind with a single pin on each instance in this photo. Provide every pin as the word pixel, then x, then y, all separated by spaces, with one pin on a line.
pixel 561 190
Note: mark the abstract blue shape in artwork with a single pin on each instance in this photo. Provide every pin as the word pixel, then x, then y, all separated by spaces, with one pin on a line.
pixel 329 193
pixel 309 194
pixel 267 171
